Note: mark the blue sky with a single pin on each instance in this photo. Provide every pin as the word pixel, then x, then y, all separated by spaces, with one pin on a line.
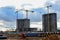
pixel 8 9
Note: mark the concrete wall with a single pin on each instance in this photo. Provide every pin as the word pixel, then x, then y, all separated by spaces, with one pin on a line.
pixel 23 23
pixel 50 22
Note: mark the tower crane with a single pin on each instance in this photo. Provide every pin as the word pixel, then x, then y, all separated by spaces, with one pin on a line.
pixel 48 7
pixel 25 11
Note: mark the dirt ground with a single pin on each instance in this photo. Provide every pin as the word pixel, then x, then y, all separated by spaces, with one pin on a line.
pixel 12 37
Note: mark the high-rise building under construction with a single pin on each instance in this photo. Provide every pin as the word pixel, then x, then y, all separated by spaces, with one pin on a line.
pixel 22 24
pixel 50 22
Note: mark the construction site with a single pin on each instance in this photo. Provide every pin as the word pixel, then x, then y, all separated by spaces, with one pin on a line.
pixel 24 32
pixel 49 30
pixel 39 36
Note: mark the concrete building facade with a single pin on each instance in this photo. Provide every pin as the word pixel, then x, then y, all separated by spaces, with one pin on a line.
pixel 22 24
pixel 50 22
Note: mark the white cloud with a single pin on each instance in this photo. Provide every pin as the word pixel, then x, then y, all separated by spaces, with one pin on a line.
pixel 53 1
pixel 4 25
pixel 2 29
pixel 36 25
pixel 1 22
pixel 19 3
pixel 52 11
pixel 57 2
pixel 58 25
pixel 34 4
